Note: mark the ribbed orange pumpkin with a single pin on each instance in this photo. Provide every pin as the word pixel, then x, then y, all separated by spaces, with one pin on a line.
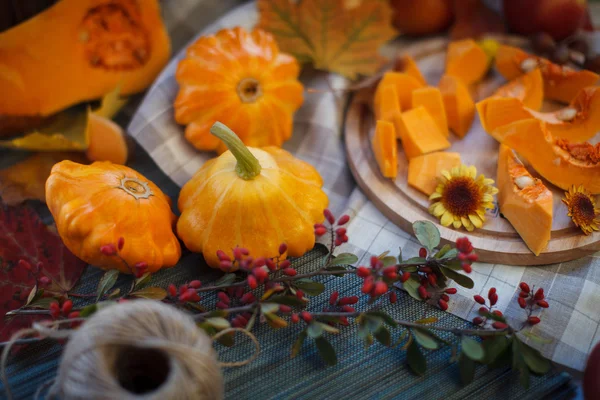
pixel 242 80
pixel 96 205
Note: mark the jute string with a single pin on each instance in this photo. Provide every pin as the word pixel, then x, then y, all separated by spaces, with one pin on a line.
pixel 136 350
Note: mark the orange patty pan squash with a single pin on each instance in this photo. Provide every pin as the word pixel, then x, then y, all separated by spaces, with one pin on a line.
pixel 96 205
pixel 253 198
pixel 241 79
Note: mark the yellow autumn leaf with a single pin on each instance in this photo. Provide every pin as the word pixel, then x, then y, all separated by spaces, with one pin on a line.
pixel 111 104
pixel 342 36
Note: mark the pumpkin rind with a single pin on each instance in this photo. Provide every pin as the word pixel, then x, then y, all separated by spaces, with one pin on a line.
pixel 385 148
pixel 95 205
pixel 528 209
pixel 79 50
pixel 241 79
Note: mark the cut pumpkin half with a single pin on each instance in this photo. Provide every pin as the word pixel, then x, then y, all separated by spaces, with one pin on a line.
pixel 385 148
pixel 528 88
pixel 524 201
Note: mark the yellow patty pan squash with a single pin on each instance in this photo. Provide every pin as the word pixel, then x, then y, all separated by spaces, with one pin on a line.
pixel 253 198
pixel 96 205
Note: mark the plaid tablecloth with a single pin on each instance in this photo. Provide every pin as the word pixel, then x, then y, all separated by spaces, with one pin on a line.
pixel 573 288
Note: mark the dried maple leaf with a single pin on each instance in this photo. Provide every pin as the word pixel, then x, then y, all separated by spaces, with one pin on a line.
pixel 30 250
pixel 340 36
pixel 26 179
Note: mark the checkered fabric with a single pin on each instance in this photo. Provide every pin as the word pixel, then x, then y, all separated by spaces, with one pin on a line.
pixel 572 288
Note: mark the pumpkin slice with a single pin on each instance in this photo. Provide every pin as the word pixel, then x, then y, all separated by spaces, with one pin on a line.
pixel 385 148
pixel 560 83
pixel 466 60
pixel 529 88
pixel 387 103
pixel 79 50
pixel 423 171
pixel 578 122
pixel 562 163
pixel 404 84
pixel 106 141
pixel 419 133
pixel 431 99
pixel 524 201
pixel 459 106
pixel 407 64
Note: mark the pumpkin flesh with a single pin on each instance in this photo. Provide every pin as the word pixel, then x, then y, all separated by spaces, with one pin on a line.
pixel 387 103
pixel 407 64
pixel 419 133
pixel 466 60
pixel 106 141
pixel 528 88
pixel 385 148
pixel 423 171
pixel 404 84
pixel 431 99
pixel 459 106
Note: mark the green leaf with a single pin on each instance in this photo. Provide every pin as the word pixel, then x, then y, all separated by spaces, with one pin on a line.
pixel 326 351
pixel 336 268
pixel 449 255
pixel 152 293
pixel 217 313
pixel 519 364
pixel 286 300
pixel 427 234
pixel 88 310
pixel 414 260
pixel 32 295
pixel 388 261
pixel 416 360
pixel 275 321
pixel 534 359
pixel 536 338
pixel 460 279
pixel 111 104
pixel 226 279
pixel 114 294
pixel 43 303
pixel 269 308
pixel 443 251
pixel 297 346
pixel 252 320
pixel 310 287
pixel 454 264
pixel 385 317
pixel 495 317
pixel 400 254
pixel 344 259
pixel 425 339
pixel 494 347
pixel 373 323
pixel 142 280
pixel 411 286
pixel 106 283
pixel 314 329
pixel 219 323
pixel 472 349
pixel 467 369
pixel 428 320
pixel 383 336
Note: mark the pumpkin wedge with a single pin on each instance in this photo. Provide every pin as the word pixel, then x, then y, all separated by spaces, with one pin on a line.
pixel 387 103
pixel 107 141
pixel 385 148
pixel 562 163
pixel 431 99
pixel 529 88
pixel 407 64
pixel 466 60
pixel 419 133
pixel 423 171
pixel 524 201
pixel 459 106
pixel 560 83
pixel 404 84
pixel 578 122
pixel 79 50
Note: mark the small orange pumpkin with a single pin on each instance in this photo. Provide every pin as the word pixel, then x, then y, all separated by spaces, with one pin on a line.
pixel 242 80
pixel 96 205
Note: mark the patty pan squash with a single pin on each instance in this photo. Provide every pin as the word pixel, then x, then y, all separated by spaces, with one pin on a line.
pixel 250 197
pixel 96 205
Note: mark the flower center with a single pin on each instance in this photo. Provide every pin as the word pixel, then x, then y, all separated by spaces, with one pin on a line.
pixel 462 196
pixel 136 188
pixel 249 90
pixel 583 208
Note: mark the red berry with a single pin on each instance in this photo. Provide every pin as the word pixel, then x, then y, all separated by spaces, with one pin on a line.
pixel 333 298
pixel 285 264
pixel 491 291
pixel 445 297
pixel 223 297
pixel 330 218
pixel 462 257
pixel 344 239
pixel 344 321
pixel 432 278
pixel 391 273
pixel 300 294
pixel 183 289
pixel 237 253
pixel 524 287
pixel 290 272
pixel 54 306
pixel 284 308
pixel 320 231
pixel 121 243
pixel 172 289
pixel 343 219
pixel 248 298
pixel 260 273
pixel 338 241
pixel 295 318
pixel 479 299
pixel 225 265
pixel 464 245
pixel 252 282
pixel 380 288
pixel 423 292
pixel 222 256
pixel 73 315
pixel 473 257
pixel 483 311
pixel 451 290
pixel 222 305
pixel 108 249
pixel 195 284
pixel 348 300
pixel 522 302
pixel 368 285
pixel 539 294
pixel 426 270
pixel 533 320
pixel 67 307
pixel 375 262
pixel 493 299
pixel 260 262
pixel 467 268
pixel 44 281
pixel 24 264
pixel 340 232
pixel 477 320
pixel 497 312
pixel 271 264
pixel 405 276
pixel 393 297
pixel 306 316
pixel 282 248
pixel 523 294
pixel 422 252
pixel 442 304
pixel 543 303
pixel 363 272
pixel 499 325
pixel 348 309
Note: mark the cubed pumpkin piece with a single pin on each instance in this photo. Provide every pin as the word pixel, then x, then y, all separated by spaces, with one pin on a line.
pixel 423 171
pixel 407 64
pixel 431 99
pixel 524 200
pixel 458 104
pixel 466 60
pixel 529 88
pixel 387 103
pixel 385 148
pixel 404 84
pixel 419 133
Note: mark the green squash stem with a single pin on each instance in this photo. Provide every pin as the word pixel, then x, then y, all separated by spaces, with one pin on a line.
pixel 247 166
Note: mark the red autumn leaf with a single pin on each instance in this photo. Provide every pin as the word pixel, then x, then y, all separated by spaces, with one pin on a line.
pixel 30 250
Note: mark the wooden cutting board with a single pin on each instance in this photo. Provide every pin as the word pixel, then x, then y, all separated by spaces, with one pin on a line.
pixel 497 241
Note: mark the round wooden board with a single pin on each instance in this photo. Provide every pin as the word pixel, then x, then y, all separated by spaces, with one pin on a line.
pixel 497 241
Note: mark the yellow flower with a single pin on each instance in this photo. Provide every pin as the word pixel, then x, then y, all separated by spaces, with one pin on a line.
pixel 462 197
pixel 582 209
